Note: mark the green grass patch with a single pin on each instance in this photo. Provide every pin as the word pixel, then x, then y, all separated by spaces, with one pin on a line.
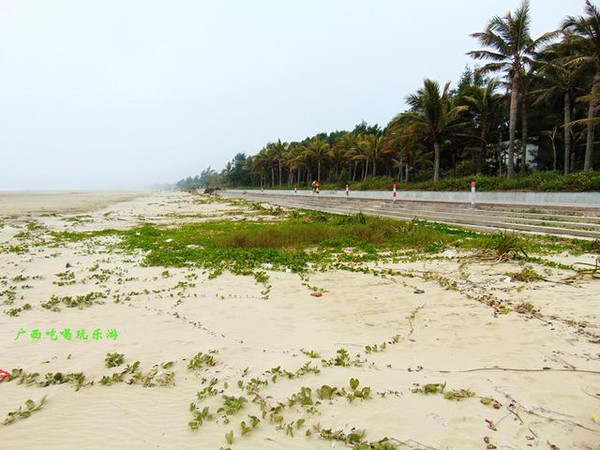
pixel 303 241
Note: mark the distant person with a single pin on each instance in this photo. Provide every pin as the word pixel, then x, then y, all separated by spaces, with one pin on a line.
pixel 314 186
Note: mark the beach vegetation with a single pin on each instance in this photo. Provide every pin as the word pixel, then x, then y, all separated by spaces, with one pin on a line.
pixel 114 359
pixel 23 413
pixel 14 312
pixel 231 405
pixel 200 360
pixel 527 275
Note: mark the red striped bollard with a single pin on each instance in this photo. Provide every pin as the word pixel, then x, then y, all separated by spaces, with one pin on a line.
pixel 473 190
pixel 394 192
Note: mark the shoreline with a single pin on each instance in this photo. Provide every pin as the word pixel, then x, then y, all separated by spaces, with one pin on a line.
pixel 67 202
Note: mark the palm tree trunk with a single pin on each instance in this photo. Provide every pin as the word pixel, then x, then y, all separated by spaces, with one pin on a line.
pixel 567 132
pixel 589 147
pixel 514 105
pixel 400 169
pixel 272 177
pixel 280 180
pixel 554 152
pixel 436 161
pixel 481 151
pixel 524 135
pixel 319 171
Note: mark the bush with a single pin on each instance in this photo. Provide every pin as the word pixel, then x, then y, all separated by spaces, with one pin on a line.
pixel 536 182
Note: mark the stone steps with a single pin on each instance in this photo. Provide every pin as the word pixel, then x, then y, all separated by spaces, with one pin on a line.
pixel 547 221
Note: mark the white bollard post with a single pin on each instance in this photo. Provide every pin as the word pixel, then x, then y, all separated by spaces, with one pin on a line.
pixel 296 190
pixel 394 193
pixel 347 191
pixel 473 200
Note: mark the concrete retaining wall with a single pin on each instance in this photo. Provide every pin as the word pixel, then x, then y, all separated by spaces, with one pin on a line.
pixel 589 199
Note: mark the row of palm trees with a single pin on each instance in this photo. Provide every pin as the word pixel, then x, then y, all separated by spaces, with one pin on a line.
pixel 543 89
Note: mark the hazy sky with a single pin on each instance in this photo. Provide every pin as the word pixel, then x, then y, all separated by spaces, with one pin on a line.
pixel 124 93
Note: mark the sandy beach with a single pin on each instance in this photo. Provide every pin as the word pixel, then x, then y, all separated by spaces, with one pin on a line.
pixel 413 350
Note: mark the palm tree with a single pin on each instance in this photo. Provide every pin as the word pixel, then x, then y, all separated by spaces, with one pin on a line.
pixel 559 78
pixel 511 50
pixel 341 150
pixel 271 157
pixel 260 164
pixel 279 149
pixel 288 159
pixel 485 103
pixel 317 148
pixel 433 117
pixel 370 146
pixel 584 34
pixel 526 80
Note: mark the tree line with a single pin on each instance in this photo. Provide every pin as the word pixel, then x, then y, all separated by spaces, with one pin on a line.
pixel 532 99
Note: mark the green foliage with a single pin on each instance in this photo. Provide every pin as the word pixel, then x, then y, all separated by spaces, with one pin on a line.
pixel 200 360
pixel 310 353
pixel 199 417
pixel 14 312
pixel 459 394
pixel 114 359
pixel 301 242
pixel 208 391
pixel 79 301
pixel 77 379
pixel 506 246
pixel 430 388
pixel 30 407
pixel 231 405
pixel 537 182
pixel 527 308
pixel 326 392
pixel 527 275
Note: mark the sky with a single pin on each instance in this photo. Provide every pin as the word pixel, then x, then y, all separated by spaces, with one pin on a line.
pixel 122 94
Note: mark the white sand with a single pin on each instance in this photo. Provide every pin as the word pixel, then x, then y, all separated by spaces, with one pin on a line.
pixel 548 397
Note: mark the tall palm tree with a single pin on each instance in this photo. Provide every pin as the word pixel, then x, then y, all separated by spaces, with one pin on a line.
pixel 526 80
pixel 559 78
pixel 370 146
pixel 271 156
pixel 288 159
pixel 485 102
pixel 340 151
pixel 317 148
pixel 433 117
pixel 260 164
pixel 511 50
pixel 279 148
pixel 584 35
